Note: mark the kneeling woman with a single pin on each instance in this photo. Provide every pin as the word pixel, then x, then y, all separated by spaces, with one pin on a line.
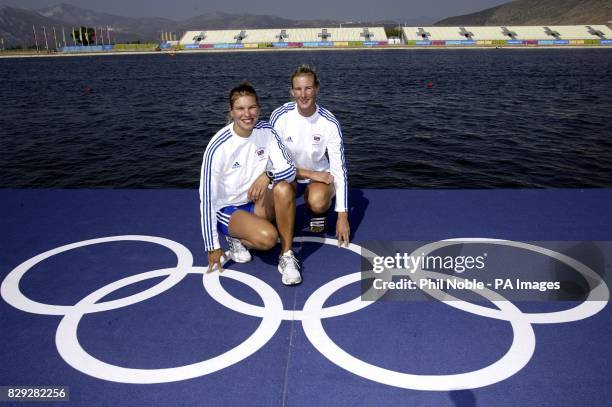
pixel 245 185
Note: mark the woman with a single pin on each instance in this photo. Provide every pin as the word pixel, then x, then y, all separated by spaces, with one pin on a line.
pixel 245 185
pixel 314 137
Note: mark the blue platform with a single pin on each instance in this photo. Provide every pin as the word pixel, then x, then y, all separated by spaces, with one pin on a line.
pixel 162 339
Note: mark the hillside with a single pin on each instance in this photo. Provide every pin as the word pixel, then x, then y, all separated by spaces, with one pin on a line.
pixel 125 28
pixel 16 25
pixel 538 12
pixel 222 21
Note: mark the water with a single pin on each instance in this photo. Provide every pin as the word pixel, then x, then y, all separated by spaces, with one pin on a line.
pixel 411 119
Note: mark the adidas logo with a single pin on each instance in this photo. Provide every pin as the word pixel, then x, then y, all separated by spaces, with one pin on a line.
pixel 236 165
pixel 289 139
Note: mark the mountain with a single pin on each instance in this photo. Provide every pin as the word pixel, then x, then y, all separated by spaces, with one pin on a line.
pixel 124 28
pixel 16 26
pixel 223 21
pixel 537 12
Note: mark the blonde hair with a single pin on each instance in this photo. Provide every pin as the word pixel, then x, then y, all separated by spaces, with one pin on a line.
pixel 243 89
pixel 304 70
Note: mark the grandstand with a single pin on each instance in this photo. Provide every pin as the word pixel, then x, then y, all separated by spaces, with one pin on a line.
pixel 512 35
pixel 557 35
pixel 411 36
pixel 290 36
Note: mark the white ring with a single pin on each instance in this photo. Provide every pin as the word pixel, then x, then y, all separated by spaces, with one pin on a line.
pixel 586 309
pixel 519 354
pixel 69 348
pixel 12 294
pixel 215 289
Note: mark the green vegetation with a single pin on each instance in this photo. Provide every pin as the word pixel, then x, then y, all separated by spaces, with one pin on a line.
pixel 393 32
pixel 83 36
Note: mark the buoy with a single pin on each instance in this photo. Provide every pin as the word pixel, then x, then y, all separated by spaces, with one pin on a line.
pixel 430 84
pixel 88 89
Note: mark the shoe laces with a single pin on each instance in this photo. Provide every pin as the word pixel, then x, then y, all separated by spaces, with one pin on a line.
pixel 289 257
pixel 235 245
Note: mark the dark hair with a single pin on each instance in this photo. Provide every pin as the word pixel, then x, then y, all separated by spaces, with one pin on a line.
pixel 305 69
pixel 243 89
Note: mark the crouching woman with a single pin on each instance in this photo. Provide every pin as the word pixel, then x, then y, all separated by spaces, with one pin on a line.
pixel 245 186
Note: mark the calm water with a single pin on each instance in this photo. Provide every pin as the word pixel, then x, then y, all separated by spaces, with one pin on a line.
pixel 489 118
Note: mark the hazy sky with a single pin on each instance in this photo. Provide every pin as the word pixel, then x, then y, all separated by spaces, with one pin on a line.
pixel 362 10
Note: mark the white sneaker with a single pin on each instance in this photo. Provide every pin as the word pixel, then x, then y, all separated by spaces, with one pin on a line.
pixel 237 251
pixel 290 269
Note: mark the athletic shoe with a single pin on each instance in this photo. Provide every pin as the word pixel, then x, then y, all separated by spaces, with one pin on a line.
pixel 317 224
pixel 237 251
pixel 290 269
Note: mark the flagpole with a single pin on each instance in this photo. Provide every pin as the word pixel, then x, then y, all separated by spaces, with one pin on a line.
pixel 35 39
pixel 45 34
pixel 55 37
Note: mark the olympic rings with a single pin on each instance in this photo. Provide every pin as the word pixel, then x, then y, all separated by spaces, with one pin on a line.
pixel 71 351
pixel 519 354
pixel 587 308
pixel 273 313
pixel 215 289
pixel 12 294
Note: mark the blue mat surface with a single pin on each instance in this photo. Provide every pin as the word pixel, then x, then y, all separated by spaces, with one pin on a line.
pixel 105 294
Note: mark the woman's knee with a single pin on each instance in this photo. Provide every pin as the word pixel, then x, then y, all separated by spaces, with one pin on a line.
pixel 318 202
pixel 265 239
pixel 284 191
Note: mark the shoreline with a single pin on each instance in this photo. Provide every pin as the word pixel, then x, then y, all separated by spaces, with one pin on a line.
pixel 9 54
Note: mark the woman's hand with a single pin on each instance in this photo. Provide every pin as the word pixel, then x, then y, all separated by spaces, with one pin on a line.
pixel 343 230
pixel 257 191
pixel 214 259
pixel 321 176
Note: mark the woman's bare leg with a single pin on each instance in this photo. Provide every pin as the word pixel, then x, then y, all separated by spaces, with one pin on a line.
pixel 279 204
pixel 254 231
